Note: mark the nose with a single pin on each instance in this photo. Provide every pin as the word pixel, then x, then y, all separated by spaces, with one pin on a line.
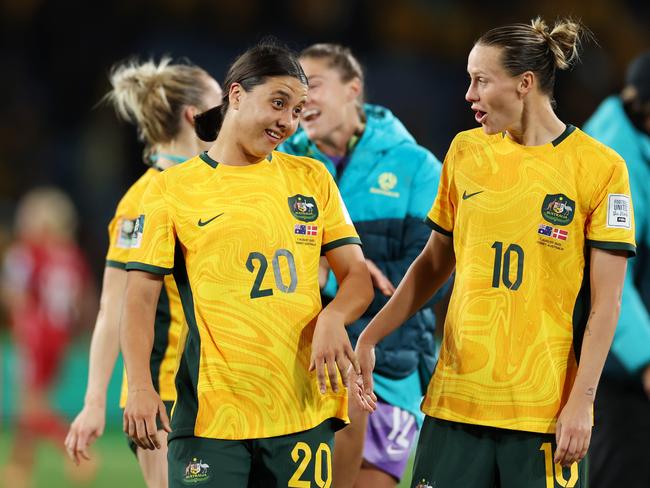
pixel 472 95
pixel 285 119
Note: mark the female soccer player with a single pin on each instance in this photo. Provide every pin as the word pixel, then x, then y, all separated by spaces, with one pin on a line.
pixel 386 180
pixel 161 99
pixel 536 217
pixel 242 228
pixel 45 284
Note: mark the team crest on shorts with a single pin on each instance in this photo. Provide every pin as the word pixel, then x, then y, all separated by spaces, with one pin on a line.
pixel 558 209
pixel 303 208
pixel 424 484
pixel 196 471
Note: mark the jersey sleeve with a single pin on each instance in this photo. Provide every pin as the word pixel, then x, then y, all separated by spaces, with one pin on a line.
pixel 154 236
pixel 120 234
pixel 339 229
pixel 441 217
pixel 611 223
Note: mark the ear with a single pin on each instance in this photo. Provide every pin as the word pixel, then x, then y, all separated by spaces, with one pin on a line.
pixel 526 83
pixel 189 112
pixel 354 88
pixel 235 94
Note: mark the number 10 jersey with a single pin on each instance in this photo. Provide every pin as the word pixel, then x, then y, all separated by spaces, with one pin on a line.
pixel 522 220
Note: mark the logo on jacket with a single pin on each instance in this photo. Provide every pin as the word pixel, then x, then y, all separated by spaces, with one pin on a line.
pixel 558 209
pixel 196 471
pixel 386 182
pixel 303 208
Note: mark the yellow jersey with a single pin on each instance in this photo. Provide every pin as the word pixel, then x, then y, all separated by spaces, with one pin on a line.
pixel 522 219
pixel 169 313
pixel 244 244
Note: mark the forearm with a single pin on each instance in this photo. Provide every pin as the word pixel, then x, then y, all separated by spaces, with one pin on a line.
pixel 354 294
pixel 137 328
pixel 597 340
pixel 104 349
pixel 423 278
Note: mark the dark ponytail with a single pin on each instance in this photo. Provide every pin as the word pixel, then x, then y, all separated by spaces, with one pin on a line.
pixel 250 69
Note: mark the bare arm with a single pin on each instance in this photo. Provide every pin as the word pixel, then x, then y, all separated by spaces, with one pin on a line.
pixel 136 339
pixel 573 431
pixel 104 348
pixel 331 348
pixel 426 275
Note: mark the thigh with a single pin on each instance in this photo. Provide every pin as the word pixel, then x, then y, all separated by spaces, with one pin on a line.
pixel 153 464
pixel 390 435
pixel 526 459
pixel 451 455
pixel 200 462
pixel 295 460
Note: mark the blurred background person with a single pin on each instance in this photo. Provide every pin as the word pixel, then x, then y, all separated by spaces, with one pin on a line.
pixel 161 100
pixel 388 182
pixel 47 289
pixel 619 452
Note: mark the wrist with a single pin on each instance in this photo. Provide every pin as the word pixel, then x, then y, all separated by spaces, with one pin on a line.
pixel 95 400
pixel 366 341
pixel 332 316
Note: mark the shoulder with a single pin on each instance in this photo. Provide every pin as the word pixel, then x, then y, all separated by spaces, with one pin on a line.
pixel 472 139
pixel 128 204
pixel 300 164
pixel 190 172
pixel 594 153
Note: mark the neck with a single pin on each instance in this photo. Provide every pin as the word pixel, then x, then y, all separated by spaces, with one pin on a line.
pixel 176 151
pixel 228 150
pixel 336 142
pixel 537 126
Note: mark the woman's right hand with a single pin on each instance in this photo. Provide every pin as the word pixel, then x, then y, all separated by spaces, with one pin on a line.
pixel 363 383
pixel 142 407
pixel 84 430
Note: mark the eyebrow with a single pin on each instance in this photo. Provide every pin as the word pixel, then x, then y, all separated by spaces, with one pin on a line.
pixel 281 93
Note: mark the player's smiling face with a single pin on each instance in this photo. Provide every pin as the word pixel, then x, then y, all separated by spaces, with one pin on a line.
pixel 268 114
pixel 493 93
pixel 331 100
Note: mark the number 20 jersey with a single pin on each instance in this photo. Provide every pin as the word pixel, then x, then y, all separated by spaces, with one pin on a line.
pixel 244 245
pixel 522 220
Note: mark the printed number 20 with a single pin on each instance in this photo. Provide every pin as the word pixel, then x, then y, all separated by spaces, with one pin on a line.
pixel 500 255
pixel 323 456
pixel 256 291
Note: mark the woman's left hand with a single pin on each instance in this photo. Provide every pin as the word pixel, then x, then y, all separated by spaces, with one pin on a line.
pixel 573 431
pixel 331 351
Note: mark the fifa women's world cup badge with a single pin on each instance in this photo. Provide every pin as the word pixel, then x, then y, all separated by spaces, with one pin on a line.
pixel 558 209
pixel 196 472
pixel 303 208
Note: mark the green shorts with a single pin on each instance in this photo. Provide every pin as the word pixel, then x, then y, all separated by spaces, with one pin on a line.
pixel 452 455
pixel 168 407
pixel 300 459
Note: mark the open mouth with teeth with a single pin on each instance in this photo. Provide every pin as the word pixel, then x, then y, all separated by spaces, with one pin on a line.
pixel 310 115
pixel 273 135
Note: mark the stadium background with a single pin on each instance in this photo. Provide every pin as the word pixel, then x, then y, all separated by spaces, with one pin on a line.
pixel 56 56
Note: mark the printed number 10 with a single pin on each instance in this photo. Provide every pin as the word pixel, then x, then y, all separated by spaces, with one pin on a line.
pixel 505 257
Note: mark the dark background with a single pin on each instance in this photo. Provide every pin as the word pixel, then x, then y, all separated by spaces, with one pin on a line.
pixel 56 56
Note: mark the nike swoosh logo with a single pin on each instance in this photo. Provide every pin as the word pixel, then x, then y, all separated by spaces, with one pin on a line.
pixel 202 223
pixel 470 195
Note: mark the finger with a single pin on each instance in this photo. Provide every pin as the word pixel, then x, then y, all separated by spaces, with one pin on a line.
pixel 164 418
pixel 354 360
pixel 332 373
pixel 152 431
pixel 142 439
pixel 320 374
pixel 368 385
pixel 345 368
pixel 125 423
pixel 572 452
pixel 561 449
pixel 82 446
